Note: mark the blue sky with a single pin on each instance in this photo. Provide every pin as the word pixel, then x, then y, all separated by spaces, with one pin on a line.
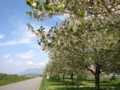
pixel 18 46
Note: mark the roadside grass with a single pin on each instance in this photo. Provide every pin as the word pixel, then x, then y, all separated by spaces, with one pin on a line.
pixel 55 84
pixel 9 79
pixel 6 82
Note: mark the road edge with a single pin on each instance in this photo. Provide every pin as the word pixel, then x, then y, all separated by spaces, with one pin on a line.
pixel 40 83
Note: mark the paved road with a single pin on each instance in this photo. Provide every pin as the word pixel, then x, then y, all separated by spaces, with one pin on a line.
pixel 31 84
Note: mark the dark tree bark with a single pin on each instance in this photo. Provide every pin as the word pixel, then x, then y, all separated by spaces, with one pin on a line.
pixel 63 77
pixel 97 77
pixel 85 77
pixel 58 77
pixel 77 77
pixel 72 78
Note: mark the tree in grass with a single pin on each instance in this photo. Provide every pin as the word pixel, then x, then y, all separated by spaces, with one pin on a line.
pixel 92 29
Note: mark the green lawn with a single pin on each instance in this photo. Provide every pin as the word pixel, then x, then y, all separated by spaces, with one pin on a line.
pixel 54 84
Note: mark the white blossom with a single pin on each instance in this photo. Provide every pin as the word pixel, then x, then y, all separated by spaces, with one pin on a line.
pixel 63 5
pixel 55 2
pixel 102 17
pixel 50 4
pixel 109 6
pixel 67 11
pixel 93 16
pixel 39 13
pixel 86 13
pixel 34 4
pixel 117 12
pixel 86 18
pixel 99 15
pixel 66 15
pixel 59 6
pixel 118 7
pixel 113 9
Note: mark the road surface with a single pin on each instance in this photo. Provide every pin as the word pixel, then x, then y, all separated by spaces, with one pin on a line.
pixel 31 84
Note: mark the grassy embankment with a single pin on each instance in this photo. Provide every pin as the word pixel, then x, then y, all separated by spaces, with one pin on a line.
pixel 8 79
pixel 54 84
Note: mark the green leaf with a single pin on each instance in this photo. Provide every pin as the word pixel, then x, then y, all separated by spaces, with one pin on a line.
pixel 37 1
pixel 111 44
pixel 80 41
pixel 81 13
pixel 48 7
pixel 75 10
pixel 53 38
pixel 58 8
pixel 51 44
pixel 112 32
pixel 66 48
pixel 94 10
pixel 28 2
pixel 118 41
pixel 39 42
pixel 39 6
pixel 43 37
pixel 29 13
pixel 47 2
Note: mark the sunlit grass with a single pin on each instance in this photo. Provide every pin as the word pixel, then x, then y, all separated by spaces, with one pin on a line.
pixel 9 79
pixel 54 84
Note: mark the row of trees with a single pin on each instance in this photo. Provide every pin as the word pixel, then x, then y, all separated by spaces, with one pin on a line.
pixel 89 37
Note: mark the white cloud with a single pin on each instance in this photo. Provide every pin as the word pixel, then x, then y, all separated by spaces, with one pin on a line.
pixel 29 63
pixel 19 62
pixel 21 33
pixel 25 40
pixel 40 63
pixel 6 56
pixel 36 64
pixel 9 61
pixel 62 17
pixel 27 55
pixel 22 41
pixel 1 36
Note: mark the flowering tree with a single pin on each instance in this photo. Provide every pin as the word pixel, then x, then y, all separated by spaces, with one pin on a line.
pixel 88 36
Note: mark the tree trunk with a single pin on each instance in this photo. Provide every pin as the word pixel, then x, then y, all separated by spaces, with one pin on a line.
pixel 77 77
pixel 97 78
pixel 85 77
pixel 72 78
pixel 97 75
pixel 58 77
pixel 97 82
pixel 63 77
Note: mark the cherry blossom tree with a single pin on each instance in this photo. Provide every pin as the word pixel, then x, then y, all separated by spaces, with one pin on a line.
pixel 88 37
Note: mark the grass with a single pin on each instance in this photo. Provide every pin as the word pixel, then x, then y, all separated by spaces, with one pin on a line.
pixel 54 84
pixel 9 79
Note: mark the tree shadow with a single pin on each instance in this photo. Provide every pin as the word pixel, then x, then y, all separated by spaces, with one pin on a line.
pixel 68 83
pixel 86 88
pixel 79 88
pixel 114 85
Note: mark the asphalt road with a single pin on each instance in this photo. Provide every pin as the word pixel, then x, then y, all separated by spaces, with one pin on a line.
pixel 31 84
